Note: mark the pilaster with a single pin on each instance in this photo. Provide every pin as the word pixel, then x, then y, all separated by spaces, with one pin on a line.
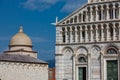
pixel 96 33
pixel 66 35
pixel 107 32
pixel 81 37
pixel 76 34
pixel 102 33
pixel 91 33
pixel 71 35
pixel 91 15
pixel 86 34
pixel 114 33
pixel 108 16
pixel 96 10
pixel 114 11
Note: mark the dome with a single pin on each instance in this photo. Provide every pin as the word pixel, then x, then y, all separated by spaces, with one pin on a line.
pixel 20 39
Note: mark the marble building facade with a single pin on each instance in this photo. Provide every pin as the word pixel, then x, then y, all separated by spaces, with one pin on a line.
pixel 88 42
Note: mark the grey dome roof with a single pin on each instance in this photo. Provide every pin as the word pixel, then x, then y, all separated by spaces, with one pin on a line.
pixel 20 58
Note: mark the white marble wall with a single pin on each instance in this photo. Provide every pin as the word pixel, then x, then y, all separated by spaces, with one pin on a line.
pixel 23 71
pixel 89 31
pixel 93 53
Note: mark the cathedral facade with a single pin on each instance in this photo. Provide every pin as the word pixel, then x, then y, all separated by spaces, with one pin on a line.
pixel 20 62
pixel 88 42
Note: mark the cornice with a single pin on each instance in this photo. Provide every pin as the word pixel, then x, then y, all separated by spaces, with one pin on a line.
pixel 104 42
pixel 89 23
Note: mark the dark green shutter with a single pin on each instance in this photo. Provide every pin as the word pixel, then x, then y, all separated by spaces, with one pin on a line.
pixel 80 73
pixel 112 70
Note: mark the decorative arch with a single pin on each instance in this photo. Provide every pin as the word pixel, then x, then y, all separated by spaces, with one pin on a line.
pixel 67 62
pixel 82 58
pixel 112 46
pixel 81 50
pixel 95 60
pixel 81 47
pixel 67 48
pixel 95 46
pixel 95 51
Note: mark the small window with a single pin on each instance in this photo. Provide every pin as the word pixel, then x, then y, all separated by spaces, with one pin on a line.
pixel 111 51
pixel 82 59
pixel 83 34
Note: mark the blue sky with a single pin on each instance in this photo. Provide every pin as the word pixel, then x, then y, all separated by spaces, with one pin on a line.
pixel 36 17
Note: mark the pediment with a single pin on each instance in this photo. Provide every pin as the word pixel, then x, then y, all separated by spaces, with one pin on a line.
pixel 73 15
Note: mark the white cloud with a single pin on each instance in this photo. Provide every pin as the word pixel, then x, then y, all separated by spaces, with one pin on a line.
pixel 72 5
pixel 41 5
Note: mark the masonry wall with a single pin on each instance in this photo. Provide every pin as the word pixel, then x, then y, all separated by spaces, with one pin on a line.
pixel 23 71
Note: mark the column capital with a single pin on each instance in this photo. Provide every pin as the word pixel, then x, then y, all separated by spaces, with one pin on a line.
pixel 89 54
pixel 91 28
pixel 107 6
pixel 96 27
pixel 81 28
pixel 113 25
pixel 76 28
pixel 74 55
pixel 71 28
pixel 119 25
pixel 102 8
pixel 107 27
pixel 113 5
pixel 91 9
pixel 86 28
pixel 66 29
pixel 96 6
pixel 101 52
pixel 102 27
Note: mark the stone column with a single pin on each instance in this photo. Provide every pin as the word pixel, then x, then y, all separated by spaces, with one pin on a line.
pixel 71 35
pixel 89 66
pixel 86 34
pixel 91 15
pixel 78 18
pixel 102 14
pixel 119 12
pixel 76 34
pixel 91 33
pixel 102 66
pixel 108 16
pixel 74 68
pixel 96 13
pixel 81 38
pixel 107 33
pixel 96 33
pixel 81 17
pixel 66 35
pixel 113 11
pixel 102 33
pixel 73 20
pixel 86 16
pixel 114 33
pixel 59 66
pixel 119 31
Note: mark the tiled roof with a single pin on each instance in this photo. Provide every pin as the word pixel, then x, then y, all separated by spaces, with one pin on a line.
pixel 20 58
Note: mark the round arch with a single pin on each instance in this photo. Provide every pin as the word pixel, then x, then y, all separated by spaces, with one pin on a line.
pixel 113 46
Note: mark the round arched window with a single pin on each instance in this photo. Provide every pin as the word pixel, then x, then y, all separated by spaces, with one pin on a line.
pixel 82 59
pixel 111 51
